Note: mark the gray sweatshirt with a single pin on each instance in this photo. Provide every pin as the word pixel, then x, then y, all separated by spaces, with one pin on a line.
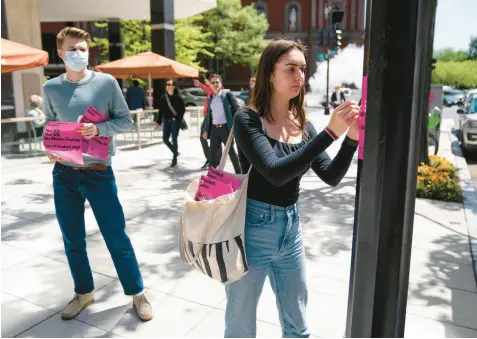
pixel 66 101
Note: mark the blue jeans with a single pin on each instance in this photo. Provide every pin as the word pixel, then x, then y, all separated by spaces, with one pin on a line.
pixel 71 188
pixel 274 247
pixel 170 127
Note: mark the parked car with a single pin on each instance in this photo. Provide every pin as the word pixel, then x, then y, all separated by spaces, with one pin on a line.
pixel 194 96
pixel 467 97
pixel 468 124
pixel 240 100
pixel 453 97
pixel 244 95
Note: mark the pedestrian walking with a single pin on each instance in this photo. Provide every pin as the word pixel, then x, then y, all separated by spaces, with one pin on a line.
pixel 66 98
pixel 275 138
pixel 135 98
pixel 171 114
pixel 338 97
pixel 218 122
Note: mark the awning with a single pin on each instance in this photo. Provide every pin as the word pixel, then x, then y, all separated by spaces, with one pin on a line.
pixel 17 57
pixel 148 65
pixel 96 10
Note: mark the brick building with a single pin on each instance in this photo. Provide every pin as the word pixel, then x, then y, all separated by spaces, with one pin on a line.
pixel 301 19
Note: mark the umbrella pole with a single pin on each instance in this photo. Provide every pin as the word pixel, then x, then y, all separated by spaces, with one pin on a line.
pixel 150 88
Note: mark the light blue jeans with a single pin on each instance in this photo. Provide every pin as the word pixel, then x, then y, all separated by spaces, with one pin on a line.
pixel 274 247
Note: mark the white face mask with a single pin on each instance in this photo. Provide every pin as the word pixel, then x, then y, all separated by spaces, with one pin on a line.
pixel 77 60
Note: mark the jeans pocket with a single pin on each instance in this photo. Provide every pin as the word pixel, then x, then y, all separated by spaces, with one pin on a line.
pixel 58 169
pixel 107 174
pixel 255 218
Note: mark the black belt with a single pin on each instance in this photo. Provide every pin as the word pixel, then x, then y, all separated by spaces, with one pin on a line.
pixel 91 168
pixel 220 125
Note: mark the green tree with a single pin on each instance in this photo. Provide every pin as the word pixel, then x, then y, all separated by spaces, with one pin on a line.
pixel 191 41
pixel 101 43
pixel 136 34
pixel 448 54
pixel 473 48
pixel 237 32
pixel 458 74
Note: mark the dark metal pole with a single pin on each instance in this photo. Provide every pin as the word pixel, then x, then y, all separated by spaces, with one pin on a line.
pixel 360 163
pixel 162 37
pixel 327 109
pixel 424 45
pixel 426 67
pixel 384 175
pixel 328 41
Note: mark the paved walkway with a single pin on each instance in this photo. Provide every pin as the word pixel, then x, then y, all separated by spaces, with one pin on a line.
pixel 36 283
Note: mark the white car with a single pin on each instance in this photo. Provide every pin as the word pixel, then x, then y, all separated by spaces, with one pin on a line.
pixel 468 124
pixel 469 95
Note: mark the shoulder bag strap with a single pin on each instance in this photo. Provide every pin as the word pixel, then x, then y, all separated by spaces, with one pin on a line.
pixel 170 106
pixel 225 153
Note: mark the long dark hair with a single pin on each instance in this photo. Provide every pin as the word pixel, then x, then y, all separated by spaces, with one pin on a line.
pixel 176 88
pixel 262 92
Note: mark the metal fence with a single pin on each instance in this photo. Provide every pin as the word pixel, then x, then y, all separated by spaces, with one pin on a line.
pixel 22 140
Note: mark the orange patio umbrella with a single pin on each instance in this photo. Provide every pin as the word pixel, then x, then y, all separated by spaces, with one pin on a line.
pixel 148 65
pixel 17 57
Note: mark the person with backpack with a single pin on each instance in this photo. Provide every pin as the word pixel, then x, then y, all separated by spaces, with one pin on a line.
pixel 218 122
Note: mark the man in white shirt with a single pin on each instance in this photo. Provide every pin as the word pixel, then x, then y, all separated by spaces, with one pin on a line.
pixel 219 120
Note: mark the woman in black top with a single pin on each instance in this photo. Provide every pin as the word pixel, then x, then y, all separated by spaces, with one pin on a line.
pixel 274 137
pixel 171 112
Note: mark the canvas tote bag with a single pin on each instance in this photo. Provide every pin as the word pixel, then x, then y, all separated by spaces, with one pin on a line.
pixel 211 232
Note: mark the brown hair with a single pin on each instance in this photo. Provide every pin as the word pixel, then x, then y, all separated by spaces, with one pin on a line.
pixel 261 94
pixel 73 32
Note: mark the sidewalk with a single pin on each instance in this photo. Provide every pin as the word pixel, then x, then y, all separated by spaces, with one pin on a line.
pixel 36 282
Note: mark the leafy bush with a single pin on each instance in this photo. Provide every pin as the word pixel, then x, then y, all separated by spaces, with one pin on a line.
pixel 438 180
pixel 453 73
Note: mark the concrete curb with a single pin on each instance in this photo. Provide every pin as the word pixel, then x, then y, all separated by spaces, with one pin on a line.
pixel 470 197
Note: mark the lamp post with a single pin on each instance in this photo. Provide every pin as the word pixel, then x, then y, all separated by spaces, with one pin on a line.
pixel 328 31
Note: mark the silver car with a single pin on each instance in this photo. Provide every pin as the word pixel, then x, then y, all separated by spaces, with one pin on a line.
pixel 468 124
pixel 194 96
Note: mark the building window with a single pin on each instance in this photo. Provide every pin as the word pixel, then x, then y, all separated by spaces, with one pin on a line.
pixel 292 16
pixel 261 8
pixel 339 5
pixel 48 41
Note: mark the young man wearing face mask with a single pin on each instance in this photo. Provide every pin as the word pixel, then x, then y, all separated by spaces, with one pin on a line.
pixel 66 98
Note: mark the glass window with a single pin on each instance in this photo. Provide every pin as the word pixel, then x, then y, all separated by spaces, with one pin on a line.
pixel 473 106
pixel 292 16
pixel 261 8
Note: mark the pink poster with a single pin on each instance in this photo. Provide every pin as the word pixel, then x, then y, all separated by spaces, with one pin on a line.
pixel 98 146
pixel 362 117
pixel 62 140
pixel 431 97
pixel 210 189
pixel 217 174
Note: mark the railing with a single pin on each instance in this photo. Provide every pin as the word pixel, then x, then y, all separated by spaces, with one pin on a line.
pixel 143 133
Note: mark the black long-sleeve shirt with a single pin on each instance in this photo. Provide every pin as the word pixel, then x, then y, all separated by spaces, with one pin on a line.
pixel 278 167
pixel 165 112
